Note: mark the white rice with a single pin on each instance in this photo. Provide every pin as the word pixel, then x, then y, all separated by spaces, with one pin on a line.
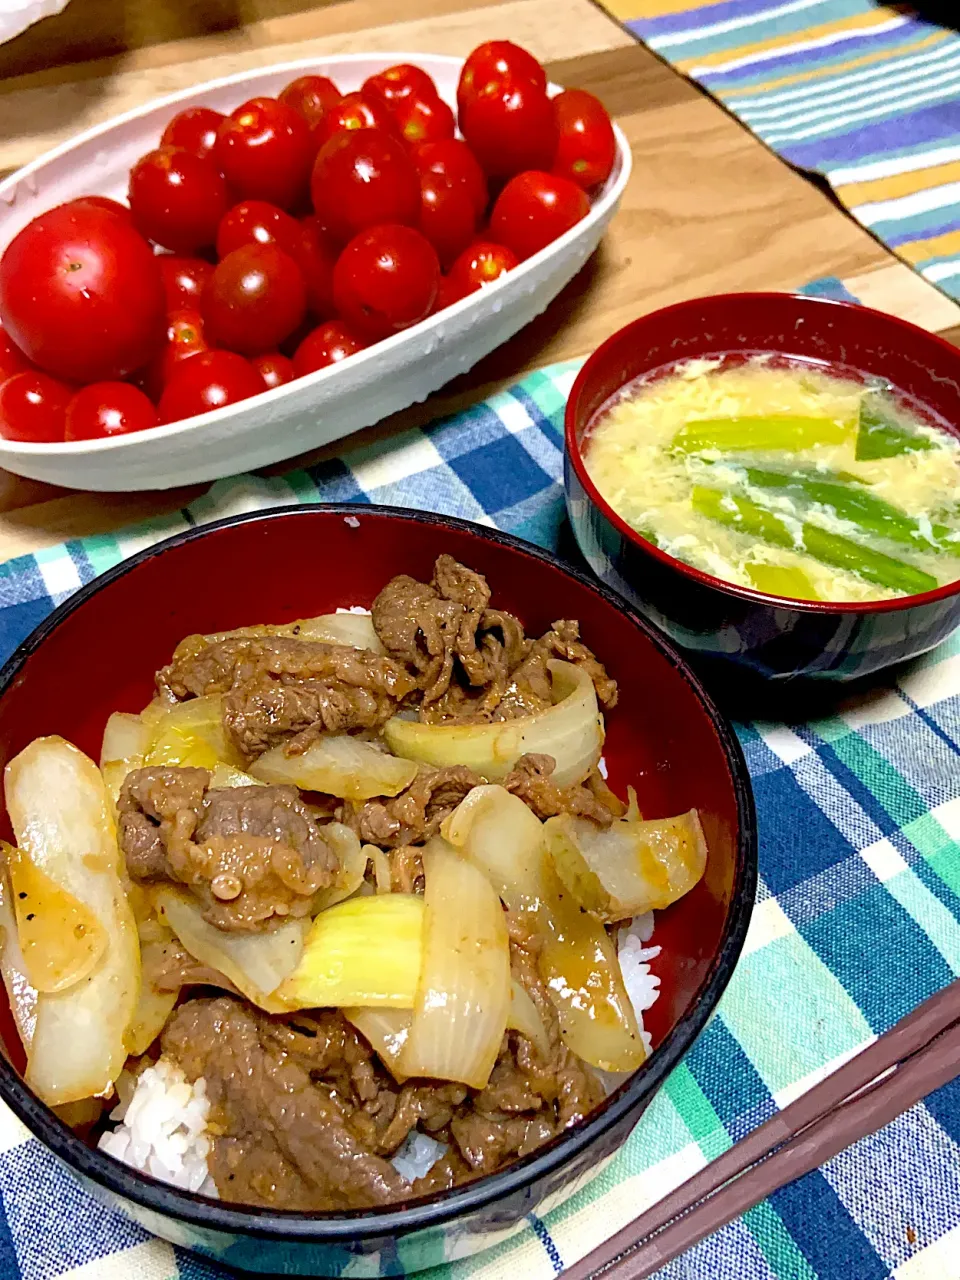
pixel 163 1118
pixel 163 1127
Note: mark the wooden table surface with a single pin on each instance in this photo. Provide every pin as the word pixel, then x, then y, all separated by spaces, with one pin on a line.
pixel 709 208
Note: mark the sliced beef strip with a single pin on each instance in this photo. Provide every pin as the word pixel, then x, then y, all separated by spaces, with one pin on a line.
pixel 281 688
pixel 530 780
pixel 283 1138
pixel 530 683
pixel 252 856
pixel 416 813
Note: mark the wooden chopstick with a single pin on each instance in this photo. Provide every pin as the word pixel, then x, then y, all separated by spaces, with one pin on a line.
pixel 916 1056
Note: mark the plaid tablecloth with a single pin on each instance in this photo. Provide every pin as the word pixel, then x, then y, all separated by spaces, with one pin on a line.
pixel 858 919
pixel 865 93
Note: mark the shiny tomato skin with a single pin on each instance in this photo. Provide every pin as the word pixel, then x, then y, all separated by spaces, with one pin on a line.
pixel 33 407
pixel 385 280
pixel 183 280
pixel 424 120
pixel 362 178
pixel 275 369
pixel 264 150
pixel 105 203
pixel 453 159
pixel 105 409
pixel 254 299
pixel 397 84
pixel 510 127
pixel 480 264
pixel 447 216
pixel 354 111
pixel 185 338
pixel 586 145
pixel 318 256
pixel 12 359
pixel 194 129
pixel 492 61
pixel 448 293
pixel 208 381
pixel 258 222
pixel 328 344
pixel 81 294
pixel 177 199
pixel 311 97
pixel 534 208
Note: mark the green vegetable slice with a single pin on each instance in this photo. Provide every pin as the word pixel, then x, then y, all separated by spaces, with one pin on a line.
pixel 878 436
pixel 782 580
pixel 738 434
pixel 829 548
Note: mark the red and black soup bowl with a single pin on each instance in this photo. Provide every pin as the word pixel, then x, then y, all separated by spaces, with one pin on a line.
pixel 770 636
pixel 97 653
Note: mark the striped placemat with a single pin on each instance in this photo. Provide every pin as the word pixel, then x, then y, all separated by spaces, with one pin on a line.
pixel 857 920
pixel 866 94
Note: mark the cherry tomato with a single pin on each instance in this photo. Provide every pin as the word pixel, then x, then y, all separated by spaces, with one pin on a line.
pixel 534 208
pixel 481 264
pixel 328 344
pixel 177 199
pixel 105 409
pixel 364 177
pixel 194 129
pixel 386 279
pixel 453 159
pixel 493 61
pixel 447 217
pixel 104 202
pixel 12 359
pixel 33 407
pixel 311 97
pixel 275 370
pixel 264 151
pixel 355 111
pixel 317 258
pixel 81 294
pixel 586 146
pixel 510 127
pixel 183 280
pixel 257 222
pixel 424 120
pixel 397 84
pixel 448 293
pixel 254 299
pixel 208 381
pixel 185 338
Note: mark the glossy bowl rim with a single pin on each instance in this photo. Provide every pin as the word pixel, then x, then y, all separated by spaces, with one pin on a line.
pixel 749 594
pixel 601 205
pixel 335 1227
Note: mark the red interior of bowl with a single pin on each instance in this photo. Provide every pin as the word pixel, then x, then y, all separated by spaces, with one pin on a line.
pixel 661 738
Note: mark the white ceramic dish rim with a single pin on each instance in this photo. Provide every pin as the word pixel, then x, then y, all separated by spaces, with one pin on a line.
pixel 607 200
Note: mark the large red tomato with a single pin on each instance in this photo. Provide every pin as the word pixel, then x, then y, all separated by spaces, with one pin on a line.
pixel 386 279
pixel 12 359
pixel 33 407
pixel 453 159
pixel 587 147
pixel 208 381
pixel 264 150
pixel 81 294
pixel 105 409
pixel 177 199
pixel 104 202
pixel 328 344
pixel 510 127
pixel 492 61
pixel 534 208
pixel 311 97
pixel 254 299
pixel 363 177
pixel 194 129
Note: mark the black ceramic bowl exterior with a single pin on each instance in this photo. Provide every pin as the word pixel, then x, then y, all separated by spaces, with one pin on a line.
pixel 772 637
pixel 667 738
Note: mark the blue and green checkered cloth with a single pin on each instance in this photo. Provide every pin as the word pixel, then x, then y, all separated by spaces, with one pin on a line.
pixel 858 919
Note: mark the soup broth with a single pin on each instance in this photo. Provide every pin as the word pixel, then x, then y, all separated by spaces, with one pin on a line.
pixel 796 479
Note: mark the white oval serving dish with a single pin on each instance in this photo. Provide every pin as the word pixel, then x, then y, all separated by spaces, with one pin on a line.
pixel 326 405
